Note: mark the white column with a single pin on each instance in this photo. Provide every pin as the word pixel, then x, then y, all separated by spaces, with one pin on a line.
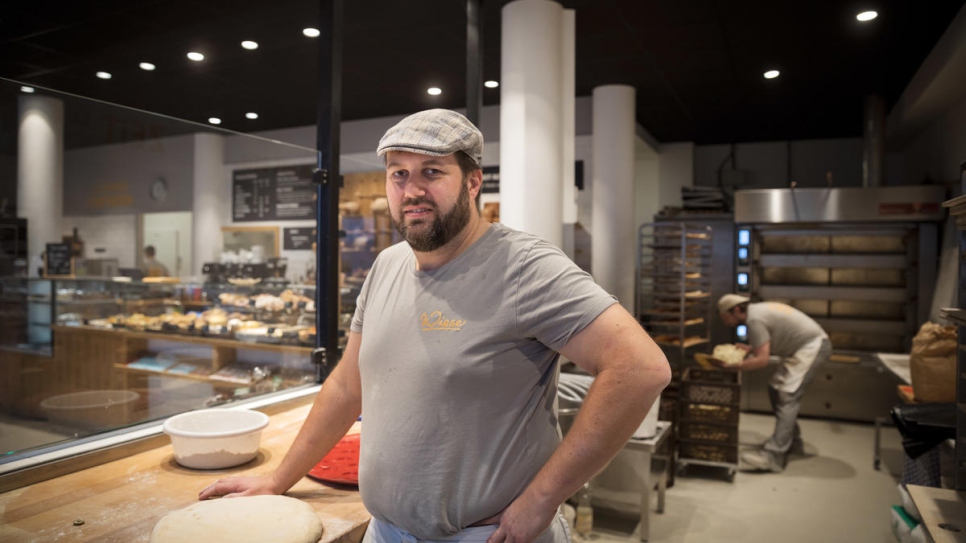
pixel 613 247
pixel 568 63
pixel 212 200
pixel 40 170
pixel 531 147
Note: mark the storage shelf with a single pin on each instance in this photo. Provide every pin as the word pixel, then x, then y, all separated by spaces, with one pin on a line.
pixel 164 373
pixel 197 340
pixel 687 343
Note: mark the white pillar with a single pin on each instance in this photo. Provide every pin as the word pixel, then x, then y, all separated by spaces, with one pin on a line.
pixel 531 148
pixel 568 89
pixel 212 200
pixel 40 170
pixel 613 246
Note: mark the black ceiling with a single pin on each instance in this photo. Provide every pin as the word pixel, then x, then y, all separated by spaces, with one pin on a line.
pixel 697 65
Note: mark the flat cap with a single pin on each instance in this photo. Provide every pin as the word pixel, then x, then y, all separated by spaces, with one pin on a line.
pixel 434 132
pixel 729 301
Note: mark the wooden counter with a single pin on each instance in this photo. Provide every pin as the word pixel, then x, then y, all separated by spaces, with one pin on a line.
pixel 121 501
pixel 943 512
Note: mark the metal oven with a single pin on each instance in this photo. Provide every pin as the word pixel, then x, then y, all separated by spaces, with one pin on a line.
pixel 861 261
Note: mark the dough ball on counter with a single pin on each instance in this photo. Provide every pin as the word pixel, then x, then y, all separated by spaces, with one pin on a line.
pixel 254 519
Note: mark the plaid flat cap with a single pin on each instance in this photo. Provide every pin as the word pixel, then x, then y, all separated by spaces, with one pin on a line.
pixel 434 132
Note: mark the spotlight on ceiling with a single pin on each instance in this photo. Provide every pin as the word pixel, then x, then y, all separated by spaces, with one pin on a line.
pixel 772 74
pixel 147 66
pixel 435 91
pixel 28 90
pixel 214 120
pixel 311 32
pixel 250 45
pixel 491 84
pixel 197 57
pixel 251 115
pixel 867 16
pixel 104 75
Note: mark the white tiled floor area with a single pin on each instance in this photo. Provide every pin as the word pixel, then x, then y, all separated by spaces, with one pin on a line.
pixel 831 494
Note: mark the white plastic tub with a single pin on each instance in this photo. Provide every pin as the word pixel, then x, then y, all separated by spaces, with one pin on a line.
pixel 215 438
pixel 91 408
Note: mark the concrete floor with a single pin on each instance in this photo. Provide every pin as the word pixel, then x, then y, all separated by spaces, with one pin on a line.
pixel 831 494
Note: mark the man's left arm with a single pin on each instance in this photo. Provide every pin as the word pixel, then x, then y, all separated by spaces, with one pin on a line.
pixel 630 371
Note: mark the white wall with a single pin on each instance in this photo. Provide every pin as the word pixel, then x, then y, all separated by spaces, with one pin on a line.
pixel 935 155
pixel 116 234
pixel 774 164
pixel 647 182
pixel 675 172
pixel 114 179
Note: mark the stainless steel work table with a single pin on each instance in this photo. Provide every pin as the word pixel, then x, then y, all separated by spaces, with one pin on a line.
pixel 648 446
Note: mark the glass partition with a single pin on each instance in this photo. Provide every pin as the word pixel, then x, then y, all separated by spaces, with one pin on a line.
pixel 101 333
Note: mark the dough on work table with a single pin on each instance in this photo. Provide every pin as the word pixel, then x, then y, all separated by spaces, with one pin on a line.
pixel 278 519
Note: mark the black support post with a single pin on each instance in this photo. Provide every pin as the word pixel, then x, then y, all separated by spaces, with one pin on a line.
pixel 328 182
pixel 474 62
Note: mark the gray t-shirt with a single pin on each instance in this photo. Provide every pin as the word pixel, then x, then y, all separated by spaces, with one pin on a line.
pixel 787 328
pixel 459 376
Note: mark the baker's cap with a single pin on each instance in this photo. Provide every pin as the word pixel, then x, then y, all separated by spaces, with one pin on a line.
pixel 729 301
pixel 434 132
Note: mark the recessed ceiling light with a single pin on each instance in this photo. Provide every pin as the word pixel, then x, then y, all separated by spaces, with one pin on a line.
pixel 772 74
pixel 197 57
pixel 28 90
pixel 250 45
pixel 435 91
pixel 251 115
pixel 104 75
pixel 147 66
pixel 867 16
pixel 491 84
pixel 311 32
pixel 214 120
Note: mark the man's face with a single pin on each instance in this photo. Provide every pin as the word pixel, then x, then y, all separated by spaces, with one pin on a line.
pixel 730 319
pixel 429 200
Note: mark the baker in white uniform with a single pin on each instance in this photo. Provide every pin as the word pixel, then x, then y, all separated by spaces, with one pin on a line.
pixel 781 330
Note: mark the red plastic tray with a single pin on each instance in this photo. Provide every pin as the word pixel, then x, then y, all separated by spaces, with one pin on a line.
pixel 341 465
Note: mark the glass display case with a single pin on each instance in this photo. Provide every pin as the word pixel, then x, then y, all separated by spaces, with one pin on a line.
pixel 84 356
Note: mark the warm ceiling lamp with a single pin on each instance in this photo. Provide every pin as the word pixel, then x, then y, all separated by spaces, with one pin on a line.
pixel 311 32
pixel 435 91
pixel 214 120
pixel 251 115
pixel 250 45
pixel 147 66
pixel 772 74
pixel 867 16
pixel 28 90
pixel 104 75
pixel 197 57
pixel 491 84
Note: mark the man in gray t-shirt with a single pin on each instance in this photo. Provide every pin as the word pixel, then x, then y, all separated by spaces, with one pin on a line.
pixel 452 361
pixel 781 330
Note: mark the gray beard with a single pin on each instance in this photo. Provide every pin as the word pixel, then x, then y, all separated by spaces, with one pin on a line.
pixel 444 227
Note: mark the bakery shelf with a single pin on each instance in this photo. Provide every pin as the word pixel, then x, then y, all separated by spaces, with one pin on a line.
pixel 196 340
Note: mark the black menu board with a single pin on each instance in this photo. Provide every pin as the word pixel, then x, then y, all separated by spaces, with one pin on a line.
pixel 298 239
pixel 57 259
pixel 273 194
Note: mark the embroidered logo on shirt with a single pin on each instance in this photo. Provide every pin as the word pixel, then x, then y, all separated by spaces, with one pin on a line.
pixel 436 321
